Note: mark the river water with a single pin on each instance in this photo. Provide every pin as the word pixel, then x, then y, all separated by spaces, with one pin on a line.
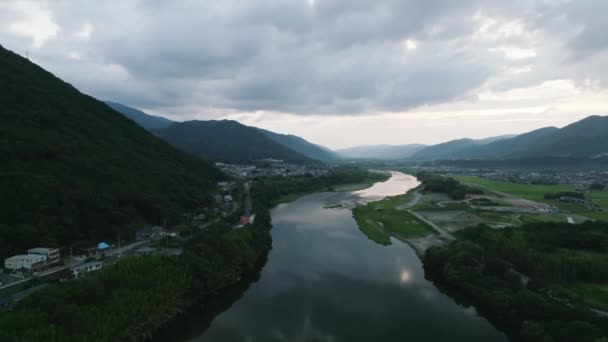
pixel 325 281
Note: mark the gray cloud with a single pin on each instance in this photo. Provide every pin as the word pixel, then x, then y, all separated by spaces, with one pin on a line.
pixel 333 57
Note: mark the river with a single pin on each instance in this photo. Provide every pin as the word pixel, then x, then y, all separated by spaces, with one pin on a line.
pixel 325 281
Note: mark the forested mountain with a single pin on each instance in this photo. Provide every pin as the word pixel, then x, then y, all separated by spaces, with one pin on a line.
pixel 516 146
pixel 302 146
pixel 227 140
pixel 448 150
pixel 381 151
pixel 583 139
pixel 147 121
pixel 295 143
pixel 72 168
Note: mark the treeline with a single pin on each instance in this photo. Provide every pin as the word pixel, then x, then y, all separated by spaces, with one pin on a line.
pixel 280 186
pixel 450 186
pixel 558 195
pixel 132 299
pixel 488 266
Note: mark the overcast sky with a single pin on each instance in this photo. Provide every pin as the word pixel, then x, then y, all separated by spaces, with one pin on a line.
pixel 336 72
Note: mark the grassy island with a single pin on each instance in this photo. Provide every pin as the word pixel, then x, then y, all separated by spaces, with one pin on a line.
pixel 382 219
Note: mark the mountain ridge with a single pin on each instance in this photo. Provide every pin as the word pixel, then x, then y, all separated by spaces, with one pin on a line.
pixel 227 141
pixel 147 121
pixel 75 169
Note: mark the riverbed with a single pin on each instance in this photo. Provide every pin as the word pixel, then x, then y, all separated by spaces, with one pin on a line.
pixel 325 281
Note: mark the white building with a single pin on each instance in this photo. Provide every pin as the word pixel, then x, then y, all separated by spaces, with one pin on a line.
pixel 52 254
pixel 29 262
pixel 78 271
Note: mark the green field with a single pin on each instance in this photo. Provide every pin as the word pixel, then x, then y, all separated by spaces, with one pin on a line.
pixel 380 220
pixel 537 192
pixel 527 191
pixel 591 294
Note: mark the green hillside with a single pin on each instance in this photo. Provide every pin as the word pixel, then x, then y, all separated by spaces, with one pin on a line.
pixel 584 138
pixel 448 150
pixel 145 120
pixel 381 151
pixel 228 141
pixel 73 169
pixel 302 146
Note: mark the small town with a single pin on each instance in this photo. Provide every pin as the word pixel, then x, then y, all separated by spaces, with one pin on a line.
pixel 47 264
pixel 270 167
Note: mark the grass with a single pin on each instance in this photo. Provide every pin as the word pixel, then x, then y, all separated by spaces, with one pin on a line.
pixel 380 220
pixel 594 295
pixel 527 191
pixel 599 197
pixel 529 218
pixel 536 193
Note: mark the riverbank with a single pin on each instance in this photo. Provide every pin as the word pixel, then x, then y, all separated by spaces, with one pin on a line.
pixel 138 295
pixel 352 181
pixel 324 278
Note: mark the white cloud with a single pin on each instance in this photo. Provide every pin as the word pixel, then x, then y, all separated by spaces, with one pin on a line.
pixel 85 31
pixel 393 71
pixel 32 20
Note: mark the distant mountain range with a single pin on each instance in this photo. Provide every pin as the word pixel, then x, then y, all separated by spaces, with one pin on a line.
pixel 74 169
pixel 583 139
pixel 228 140
pixel 454 148
pixel 302 146
pixel 231 141
pixel 380 151
pixel 147 121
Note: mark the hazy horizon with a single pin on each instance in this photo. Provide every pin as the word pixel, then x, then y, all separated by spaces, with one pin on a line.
pixel 337 73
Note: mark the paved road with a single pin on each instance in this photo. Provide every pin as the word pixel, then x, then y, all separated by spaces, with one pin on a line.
pixel 442 232
pixel 127 248
pixel 38 275
pixel 412 202
pixel 247 199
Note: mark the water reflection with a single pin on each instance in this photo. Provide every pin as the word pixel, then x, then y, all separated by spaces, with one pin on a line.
pixel 406 277
pixel 398 184
pixel 325 281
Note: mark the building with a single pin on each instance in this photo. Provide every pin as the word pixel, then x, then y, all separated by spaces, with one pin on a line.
pixel 52 254
pixel 78 271
pixel 244 220
pixel 30 263
pixel 148 232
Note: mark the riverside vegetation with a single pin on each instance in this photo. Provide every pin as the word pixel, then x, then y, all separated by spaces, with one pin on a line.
pixel 135 297
pixel 540 281
pixel 487 266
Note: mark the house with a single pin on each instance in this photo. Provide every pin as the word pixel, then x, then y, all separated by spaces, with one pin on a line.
pixel 30 263
pixel 148 232
pixel 52 254
pixel 244 220
pixel 227 198
pixel 78 271
pixel 102 246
